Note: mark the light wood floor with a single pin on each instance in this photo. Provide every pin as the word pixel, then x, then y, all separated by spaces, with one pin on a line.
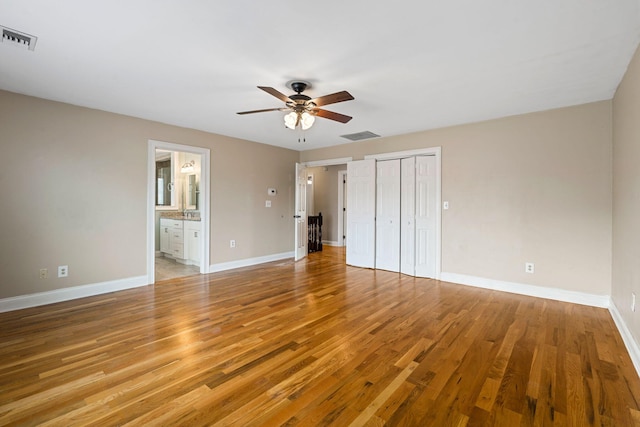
pixel 314 343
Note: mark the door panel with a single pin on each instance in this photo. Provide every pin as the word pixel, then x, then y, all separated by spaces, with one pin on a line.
pixel 388 215
pixel 425 216
pixel 407 216
pixel 300 217
pixel 361 196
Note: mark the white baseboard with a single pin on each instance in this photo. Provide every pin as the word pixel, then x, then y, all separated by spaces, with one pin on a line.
pixel 627 337
pixel 602 301
pixel 230 265
pixel 65 294
pixel 330 243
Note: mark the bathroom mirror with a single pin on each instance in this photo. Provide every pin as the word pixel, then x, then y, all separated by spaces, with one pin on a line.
pixel 192 193
pixel 165 179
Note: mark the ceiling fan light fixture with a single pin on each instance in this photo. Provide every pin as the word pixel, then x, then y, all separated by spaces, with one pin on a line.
pixel 290 120
pixel 306 120
pixel 304 109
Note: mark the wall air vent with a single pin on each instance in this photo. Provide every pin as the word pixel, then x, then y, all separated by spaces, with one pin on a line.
pixel 16 38
pixel 360 136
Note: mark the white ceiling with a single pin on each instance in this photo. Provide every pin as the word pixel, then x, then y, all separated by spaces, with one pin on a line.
pixel 410 64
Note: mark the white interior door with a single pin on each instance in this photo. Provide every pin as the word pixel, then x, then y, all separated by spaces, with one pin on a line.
pixel 407 216
pixel 342 208
pixel 361 200
pixel 388 215
pixel 344 211
pixel 425 216
pixel 300 216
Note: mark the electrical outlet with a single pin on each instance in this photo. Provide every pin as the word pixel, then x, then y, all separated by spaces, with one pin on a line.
pixel 267 204
pixel 633 301
pixel 528 267
pixel 44 274
pixel 232 243
pixel 63 270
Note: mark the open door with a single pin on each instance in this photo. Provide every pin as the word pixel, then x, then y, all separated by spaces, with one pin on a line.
pixel 300 215
pixel 361 215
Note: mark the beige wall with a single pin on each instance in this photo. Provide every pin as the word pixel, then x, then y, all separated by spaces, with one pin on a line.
pixel 626 196
pixel 73 183
pixel 530 188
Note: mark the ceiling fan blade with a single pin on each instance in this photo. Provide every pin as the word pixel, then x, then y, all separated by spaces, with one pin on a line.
pixel 271 91
pixel 331 115
pixel 262 111
pixel 333 98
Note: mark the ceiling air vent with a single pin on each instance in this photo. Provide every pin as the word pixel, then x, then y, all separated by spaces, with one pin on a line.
pixel 16 38
pixel 360 136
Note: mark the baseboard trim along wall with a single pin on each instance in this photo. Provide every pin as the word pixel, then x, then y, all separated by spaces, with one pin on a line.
pixel 66 294
pixel 602 301
pixel 330 243
pixel 247 262
pixel 627 337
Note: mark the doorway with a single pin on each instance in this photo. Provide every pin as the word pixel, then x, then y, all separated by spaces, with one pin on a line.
pixel 321 181
pixel 178 206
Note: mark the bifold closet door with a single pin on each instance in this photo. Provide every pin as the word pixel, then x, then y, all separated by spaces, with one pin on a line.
pixel 407 216
pixel 388 215
pixel 361 200
pixel 425 220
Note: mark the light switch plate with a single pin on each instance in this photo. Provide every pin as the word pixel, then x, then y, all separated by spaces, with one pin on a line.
pixel 267 204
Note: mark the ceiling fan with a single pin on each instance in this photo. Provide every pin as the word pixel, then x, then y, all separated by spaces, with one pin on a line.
pixel 303 109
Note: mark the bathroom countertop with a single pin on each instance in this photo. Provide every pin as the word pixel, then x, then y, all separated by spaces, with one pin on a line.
pixel 180 216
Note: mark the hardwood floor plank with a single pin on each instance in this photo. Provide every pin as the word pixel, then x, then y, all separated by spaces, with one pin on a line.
pixel 371 409
pixel 314 342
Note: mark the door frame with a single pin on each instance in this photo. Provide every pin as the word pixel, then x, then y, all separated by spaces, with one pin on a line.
pixel 205 197
pixel 432 151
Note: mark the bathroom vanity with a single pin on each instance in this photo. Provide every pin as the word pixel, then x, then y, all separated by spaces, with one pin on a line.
pixel 180 239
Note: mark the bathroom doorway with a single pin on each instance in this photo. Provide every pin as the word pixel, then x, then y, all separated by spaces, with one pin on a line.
pixel 178 211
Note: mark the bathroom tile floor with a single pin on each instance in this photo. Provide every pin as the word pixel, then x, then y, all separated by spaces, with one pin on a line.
pixel 167 268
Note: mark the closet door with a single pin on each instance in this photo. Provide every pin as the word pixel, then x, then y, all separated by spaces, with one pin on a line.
pixel 388 215
pixel 407 216
pixel 361 199
pixel 425 220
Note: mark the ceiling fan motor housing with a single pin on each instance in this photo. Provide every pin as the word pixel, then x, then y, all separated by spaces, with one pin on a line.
pixel 299 86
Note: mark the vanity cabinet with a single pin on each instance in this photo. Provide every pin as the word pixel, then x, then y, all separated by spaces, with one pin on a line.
pixel 164 238
pixel 172 237
pixel 192 241
pixel 180 239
